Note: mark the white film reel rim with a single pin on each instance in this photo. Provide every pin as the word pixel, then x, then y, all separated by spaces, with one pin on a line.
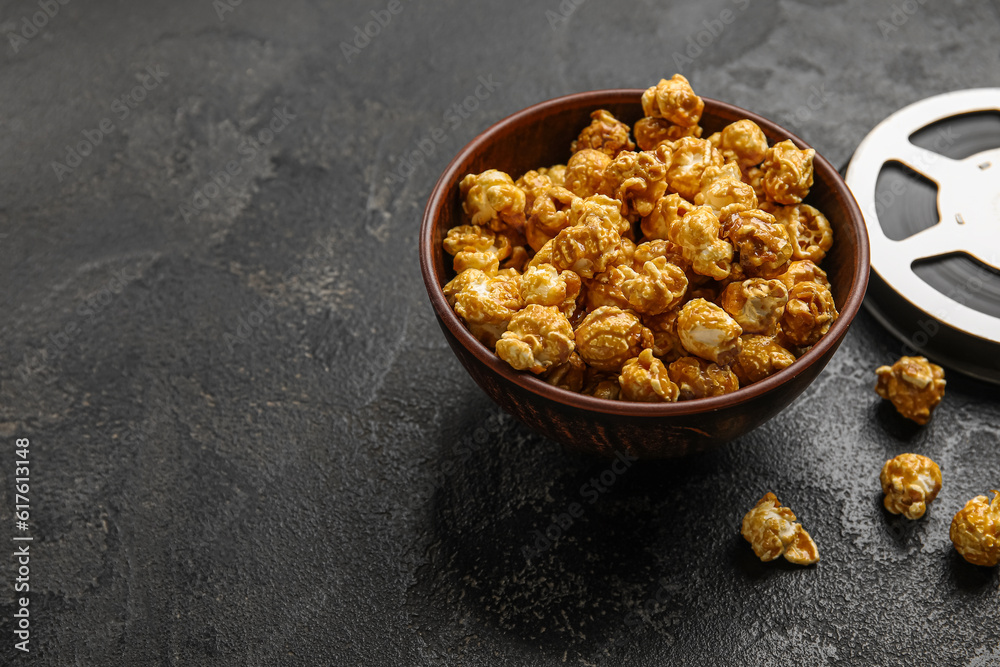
pixel 960 184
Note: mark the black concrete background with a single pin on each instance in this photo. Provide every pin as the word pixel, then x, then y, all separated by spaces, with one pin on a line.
pixel 249 442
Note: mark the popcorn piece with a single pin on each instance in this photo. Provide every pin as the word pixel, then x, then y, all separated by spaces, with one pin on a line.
pixel 638 180
pixel 585 172
pixel 666 343
pixel 725 196
pixel 689 157
pixel 537 338
pixel 709 332
pixel 762 244
pixel 592 242
pixel 476 248
pixel 914 385
pixel 609 336
pixel 492 199
pixel 754 177
pixel 760 357
pixel 756 304
pixel 544 285
pixel 600 384
pixel 570 375
pixel 802 271
pixel 665 213
pixel 656 287
pixel 650 132
pixel 808 229
pixel 605 133
pixel 645 379
pixel 532 184
pixel 697 378
pixel 910 482
pixel 549 215
pixel 742 141
pixel 697 233
pixel 556 174
pixel 518 259
pixel 486 304
pixel 673 100
pixel 788 173
pixel 602 290
pixel 808 314
pixel 772 531
pixel 975 530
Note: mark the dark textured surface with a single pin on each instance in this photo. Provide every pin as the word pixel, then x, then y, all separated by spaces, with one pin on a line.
pixel 250 442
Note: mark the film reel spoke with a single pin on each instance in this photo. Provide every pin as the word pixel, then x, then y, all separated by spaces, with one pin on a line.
pixel 927 163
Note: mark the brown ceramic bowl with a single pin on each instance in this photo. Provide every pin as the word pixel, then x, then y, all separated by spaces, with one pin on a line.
pixel 540 136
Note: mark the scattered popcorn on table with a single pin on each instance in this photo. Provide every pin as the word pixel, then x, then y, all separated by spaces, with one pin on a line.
pixel 654 265
pixel 910 482
pixel 914 385
pixel 772 531
pixel 975 530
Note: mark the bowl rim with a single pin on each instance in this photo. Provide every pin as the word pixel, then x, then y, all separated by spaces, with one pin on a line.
pixel 537 386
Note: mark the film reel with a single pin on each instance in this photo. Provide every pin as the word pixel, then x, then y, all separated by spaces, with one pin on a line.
pixel 927 179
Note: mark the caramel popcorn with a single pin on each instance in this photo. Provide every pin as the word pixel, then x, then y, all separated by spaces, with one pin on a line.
pixel 600 384
pixel 697 233
pixel 689 158
pixel 759 357
pixel 914 385
pixel 788 173
pixel 808 314
pixel 975 530
pixel 532 184
pixel 772 531
pixel 638 180
pixel 708 331
pixel 605 133
pixel 650 132
pixel 743 142
pixel 684 267
pixel 756 304
pixel 673 100
pixel 762 244
pixel 645 379
pixel 910 482
pixel 569 375
pixel 668 210
pixel 808 229
pixel 537 338
pixel 486 303
pixel 492 199
pixel 544 285
pixel 556 173
pixel 802 271
pixel 585 172
pixel 549 215
pixel 609 336
pixel 666 343
pixel 697 378
pixel 476 248
pixel 657 286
